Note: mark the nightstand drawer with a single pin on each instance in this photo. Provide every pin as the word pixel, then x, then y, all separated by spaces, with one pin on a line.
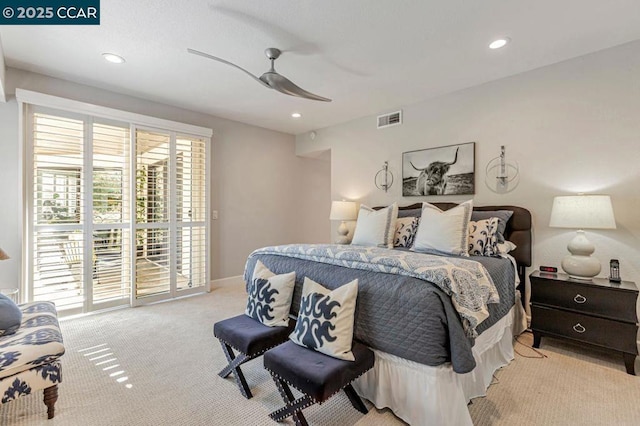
pixel 610 334
pixel 606 302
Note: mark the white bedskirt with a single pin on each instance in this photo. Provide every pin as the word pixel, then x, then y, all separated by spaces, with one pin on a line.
pixel 423 395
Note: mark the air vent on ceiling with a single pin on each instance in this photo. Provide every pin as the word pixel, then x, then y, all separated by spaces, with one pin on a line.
pixel 391 119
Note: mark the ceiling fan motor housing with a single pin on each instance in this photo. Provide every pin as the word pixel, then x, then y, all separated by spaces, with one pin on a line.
pixel 272 53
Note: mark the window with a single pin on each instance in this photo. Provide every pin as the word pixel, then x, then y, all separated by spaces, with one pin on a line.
pixel 116 212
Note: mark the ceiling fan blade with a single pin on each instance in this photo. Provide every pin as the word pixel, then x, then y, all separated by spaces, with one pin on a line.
pixel 215 58
pixel 283 85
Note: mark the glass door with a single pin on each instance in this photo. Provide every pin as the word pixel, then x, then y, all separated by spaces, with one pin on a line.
pixel 171 215
pixel 191 214
pixel 153 260
pixel 117 213
pixel 110 231
pixel 55 214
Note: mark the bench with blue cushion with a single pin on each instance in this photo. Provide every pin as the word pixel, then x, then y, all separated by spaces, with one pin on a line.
pixel 249 337
pixel 316 375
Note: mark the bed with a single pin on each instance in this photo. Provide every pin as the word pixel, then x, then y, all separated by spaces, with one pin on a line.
pixel 431 358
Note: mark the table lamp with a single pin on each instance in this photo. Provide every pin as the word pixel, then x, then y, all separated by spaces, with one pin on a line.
pixel 343 211
pixel 582 212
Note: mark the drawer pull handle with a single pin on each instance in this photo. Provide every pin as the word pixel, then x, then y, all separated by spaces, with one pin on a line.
pixel 578 328
pixel 579 298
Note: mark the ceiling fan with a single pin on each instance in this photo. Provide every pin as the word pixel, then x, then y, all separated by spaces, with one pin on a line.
pixel 271 78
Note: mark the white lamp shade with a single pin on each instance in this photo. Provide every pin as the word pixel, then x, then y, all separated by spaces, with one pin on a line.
pixel 582 212
pixel 343 210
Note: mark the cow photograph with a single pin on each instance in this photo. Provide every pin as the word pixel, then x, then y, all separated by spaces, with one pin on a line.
pixel 446 170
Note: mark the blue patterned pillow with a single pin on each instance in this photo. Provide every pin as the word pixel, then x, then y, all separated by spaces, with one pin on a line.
pixel 325 321
pixel 502 215
pixel 483 239
pixel 270 296
pixel 406 228
pixel 10 316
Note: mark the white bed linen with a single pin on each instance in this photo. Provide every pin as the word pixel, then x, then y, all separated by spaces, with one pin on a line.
pixel 423 395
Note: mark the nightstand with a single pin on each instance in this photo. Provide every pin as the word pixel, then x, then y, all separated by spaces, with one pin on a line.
pixel 596 312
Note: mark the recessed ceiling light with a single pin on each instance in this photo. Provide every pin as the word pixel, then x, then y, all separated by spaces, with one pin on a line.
pixel 296 115
pixel 113 58
pixel 501 42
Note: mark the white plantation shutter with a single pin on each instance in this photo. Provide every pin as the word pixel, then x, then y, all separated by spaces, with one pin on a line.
pixel 111 236
pixel 191 187
pixel 153 252
pixel 57 205
pixel 112 208
pixel 152 176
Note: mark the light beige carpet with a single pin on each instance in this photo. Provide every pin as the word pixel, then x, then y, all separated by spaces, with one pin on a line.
pixel 167 361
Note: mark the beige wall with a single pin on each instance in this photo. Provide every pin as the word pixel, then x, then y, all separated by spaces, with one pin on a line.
pixel 259 186
pixel 572 127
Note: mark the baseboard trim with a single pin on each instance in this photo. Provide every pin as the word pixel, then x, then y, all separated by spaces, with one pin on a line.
pixel 227 282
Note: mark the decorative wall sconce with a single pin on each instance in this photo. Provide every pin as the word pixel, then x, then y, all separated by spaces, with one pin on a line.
pixel 502 177
pixel 384 178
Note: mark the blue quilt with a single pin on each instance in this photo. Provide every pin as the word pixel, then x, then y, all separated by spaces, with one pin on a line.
pixel 399 314
pixel 466 282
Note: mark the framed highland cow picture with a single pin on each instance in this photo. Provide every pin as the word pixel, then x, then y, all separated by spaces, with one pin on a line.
pixel 446 170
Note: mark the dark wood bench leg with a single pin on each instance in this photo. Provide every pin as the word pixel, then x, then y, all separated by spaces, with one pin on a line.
pixel 355 399
pixel 292 407
pixel 50 398
pixel 234 366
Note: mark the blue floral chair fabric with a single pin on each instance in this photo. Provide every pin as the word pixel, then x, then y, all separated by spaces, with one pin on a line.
pixel 29 359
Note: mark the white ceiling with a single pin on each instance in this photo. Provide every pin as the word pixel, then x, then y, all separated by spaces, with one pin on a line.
pixel 369 56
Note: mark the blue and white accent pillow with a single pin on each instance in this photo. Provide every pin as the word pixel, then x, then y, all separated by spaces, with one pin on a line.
pixel 503 218
pixel 406 228
pixel 483 237
pixel 270 296
pixel 325 321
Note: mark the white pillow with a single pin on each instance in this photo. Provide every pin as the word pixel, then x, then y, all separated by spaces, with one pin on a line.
pixel 325 320
pixel 270 296
pixel 444 231
pixel 376 227
pixel 506 247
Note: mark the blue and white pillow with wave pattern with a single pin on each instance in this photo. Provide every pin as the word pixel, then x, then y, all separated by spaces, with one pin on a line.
pixel 270 296
pixel 325 320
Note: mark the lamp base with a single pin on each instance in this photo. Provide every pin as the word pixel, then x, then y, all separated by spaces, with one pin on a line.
pixel 580 265
pixel 343 231
pixel 342 240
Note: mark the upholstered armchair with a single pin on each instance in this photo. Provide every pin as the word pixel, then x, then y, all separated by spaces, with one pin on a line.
pixel 29 359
